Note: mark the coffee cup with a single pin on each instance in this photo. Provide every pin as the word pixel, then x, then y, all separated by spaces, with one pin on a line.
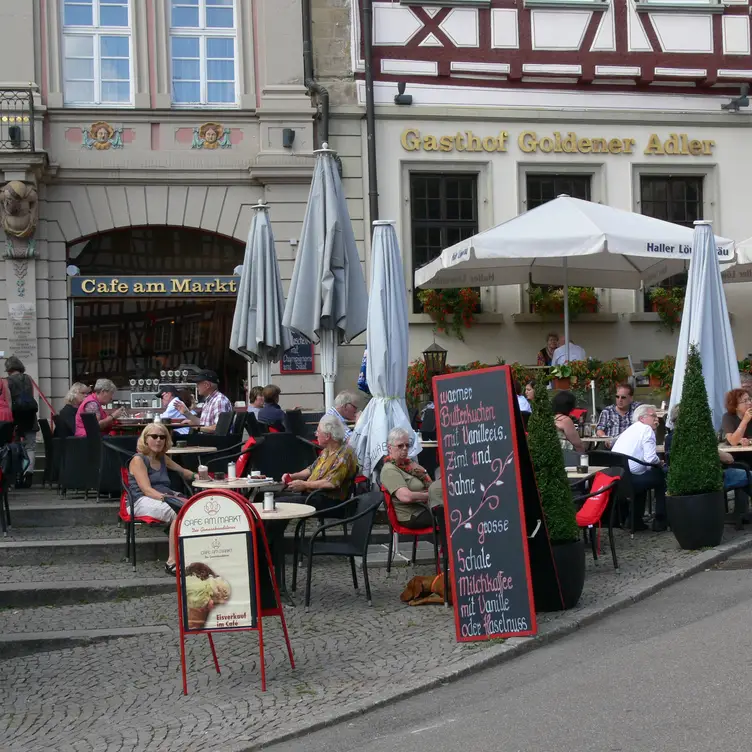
pixel 269 502
pixel 219 476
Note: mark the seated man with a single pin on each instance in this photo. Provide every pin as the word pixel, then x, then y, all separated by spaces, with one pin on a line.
pixel 271 413
pixel 615 419
pixel 214 403
pixel 414 494
pixel 170 400
pixel 345 409
pixel 331 475
pixel 638 441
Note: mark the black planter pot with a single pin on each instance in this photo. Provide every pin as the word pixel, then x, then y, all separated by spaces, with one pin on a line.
pixel 570 565
pixel 697 521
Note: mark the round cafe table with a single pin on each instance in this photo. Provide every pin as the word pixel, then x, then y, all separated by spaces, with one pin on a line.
pixel 192 450
pixel 240 484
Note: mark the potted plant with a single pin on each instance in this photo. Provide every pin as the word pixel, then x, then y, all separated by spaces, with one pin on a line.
pixel 556 500
pixel 551 301
pixel 562 376
pixel 461 304
pixel 417 386
pixel 661 373
pixel 695 503
pixel 668 304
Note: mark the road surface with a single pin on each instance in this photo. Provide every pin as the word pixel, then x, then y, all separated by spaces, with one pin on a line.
pixel 670 674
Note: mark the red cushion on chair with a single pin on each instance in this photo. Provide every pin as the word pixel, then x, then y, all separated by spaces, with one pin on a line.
pixel 397 526
pixel 125 513
pixel 240 465
pixel 594 507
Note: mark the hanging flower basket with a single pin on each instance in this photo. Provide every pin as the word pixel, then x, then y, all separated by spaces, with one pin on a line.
pixel 453 310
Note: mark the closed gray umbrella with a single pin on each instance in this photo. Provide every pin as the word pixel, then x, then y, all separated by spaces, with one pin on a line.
pixel 386 370
pixel 327 300
pixel 705 323
pixel 257 331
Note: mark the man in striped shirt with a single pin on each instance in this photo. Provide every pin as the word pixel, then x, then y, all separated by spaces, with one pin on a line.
pixel 214 403
pixel 346 409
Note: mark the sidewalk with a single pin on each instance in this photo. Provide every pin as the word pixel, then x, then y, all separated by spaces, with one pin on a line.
pixel 125 694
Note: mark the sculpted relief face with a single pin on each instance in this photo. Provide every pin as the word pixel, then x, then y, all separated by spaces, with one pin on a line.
pixel 19 209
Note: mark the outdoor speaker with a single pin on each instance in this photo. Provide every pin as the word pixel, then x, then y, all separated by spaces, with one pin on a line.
pixel 288 136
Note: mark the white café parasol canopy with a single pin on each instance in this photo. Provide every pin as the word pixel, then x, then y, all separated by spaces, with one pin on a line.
pixel 568 241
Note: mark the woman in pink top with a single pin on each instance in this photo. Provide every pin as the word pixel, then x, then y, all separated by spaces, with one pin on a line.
pixel 104 391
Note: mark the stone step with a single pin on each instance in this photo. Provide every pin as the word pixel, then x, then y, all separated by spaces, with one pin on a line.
pixel 62 513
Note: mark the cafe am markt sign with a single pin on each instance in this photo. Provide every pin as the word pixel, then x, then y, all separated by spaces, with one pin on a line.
pixel 153 287
pixel 531 142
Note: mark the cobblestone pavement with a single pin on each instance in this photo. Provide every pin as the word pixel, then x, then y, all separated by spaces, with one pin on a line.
pixel 125 694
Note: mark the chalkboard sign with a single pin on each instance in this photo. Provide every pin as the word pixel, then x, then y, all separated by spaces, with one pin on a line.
pixel 483 504
pixel 299 358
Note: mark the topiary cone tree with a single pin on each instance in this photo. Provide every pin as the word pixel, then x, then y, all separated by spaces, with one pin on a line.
pixel 548 463
pixel 695 467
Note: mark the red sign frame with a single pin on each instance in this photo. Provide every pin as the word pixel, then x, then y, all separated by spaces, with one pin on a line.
pixel 256 533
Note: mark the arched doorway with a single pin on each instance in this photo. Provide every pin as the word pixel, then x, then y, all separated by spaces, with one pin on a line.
pixel 126 337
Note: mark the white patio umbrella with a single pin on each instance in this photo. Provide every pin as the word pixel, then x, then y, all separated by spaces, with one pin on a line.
pixel 567 241
pixel 705 323
pixel 327 300
pixel 741 269
pixel 257 332
pixel 387 343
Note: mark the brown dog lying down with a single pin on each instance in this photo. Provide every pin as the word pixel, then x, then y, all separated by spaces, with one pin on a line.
pixel 422 591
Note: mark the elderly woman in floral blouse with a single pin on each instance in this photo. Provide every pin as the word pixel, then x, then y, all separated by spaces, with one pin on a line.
pixel 331 475
pixel 414 494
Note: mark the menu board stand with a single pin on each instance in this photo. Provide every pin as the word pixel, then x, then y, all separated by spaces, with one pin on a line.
pixel 491 506
pixel 219 572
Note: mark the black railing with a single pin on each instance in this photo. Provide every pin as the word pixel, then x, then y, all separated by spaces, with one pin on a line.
pixel 16 120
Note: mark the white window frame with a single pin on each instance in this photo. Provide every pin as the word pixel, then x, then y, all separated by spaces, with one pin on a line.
pixel 95 31
pixel 108 336
pixel 193 340
pixel 164 329
pixel 202 32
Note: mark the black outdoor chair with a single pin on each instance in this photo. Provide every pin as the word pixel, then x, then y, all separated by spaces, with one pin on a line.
pixel 224 421
pixel 355 543
pixel 238 426
pixel 50 465
pixel 80 463
pixel 606 458
pixel 295 423
pixel 609 513
pixel 278 453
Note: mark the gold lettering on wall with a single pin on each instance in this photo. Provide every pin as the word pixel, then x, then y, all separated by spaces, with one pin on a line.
pixel 530 142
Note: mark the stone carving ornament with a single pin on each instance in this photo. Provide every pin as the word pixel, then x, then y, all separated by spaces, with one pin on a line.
pixel 211 136
pixel 18 201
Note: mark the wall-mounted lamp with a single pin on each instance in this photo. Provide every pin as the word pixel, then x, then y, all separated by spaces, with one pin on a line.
pixel 741 101
pixel 288 137
pixel 401 97
pixel 72 271
pixel 14 134
pixel 238 270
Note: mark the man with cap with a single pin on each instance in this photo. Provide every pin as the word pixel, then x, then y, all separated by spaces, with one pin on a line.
pixel 170 402
pixel 215 403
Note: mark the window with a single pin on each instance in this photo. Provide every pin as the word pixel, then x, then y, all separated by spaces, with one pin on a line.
pixel 192 334
pixel 163 336
pixel 97 52
pixel 674 198
pixel 541 188
pixel 203 41
pixel 108 343
pixel 443 211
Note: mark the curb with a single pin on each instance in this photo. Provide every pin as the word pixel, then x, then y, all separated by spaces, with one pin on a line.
pixel 511 648
pixel 17 645
pixel 26 595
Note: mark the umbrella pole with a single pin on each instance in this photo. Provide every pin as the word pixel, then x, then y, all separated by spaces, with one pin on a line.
pixel 329 364
pixel 264 371
pixel 566 309
pixel 249 374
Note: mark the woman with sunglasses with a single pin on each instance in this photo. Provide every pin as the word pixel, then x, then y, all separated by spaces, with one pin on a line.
pixel 413 492
pixel 149 483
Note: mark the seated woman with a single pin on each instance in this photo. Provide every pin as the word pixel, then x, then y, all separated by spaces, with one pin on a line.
pixel 104 391
pixel 333 472
pixel 67 415
pixel 562 404
pixel 149 483
pixel 414 494
pixel 736 425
